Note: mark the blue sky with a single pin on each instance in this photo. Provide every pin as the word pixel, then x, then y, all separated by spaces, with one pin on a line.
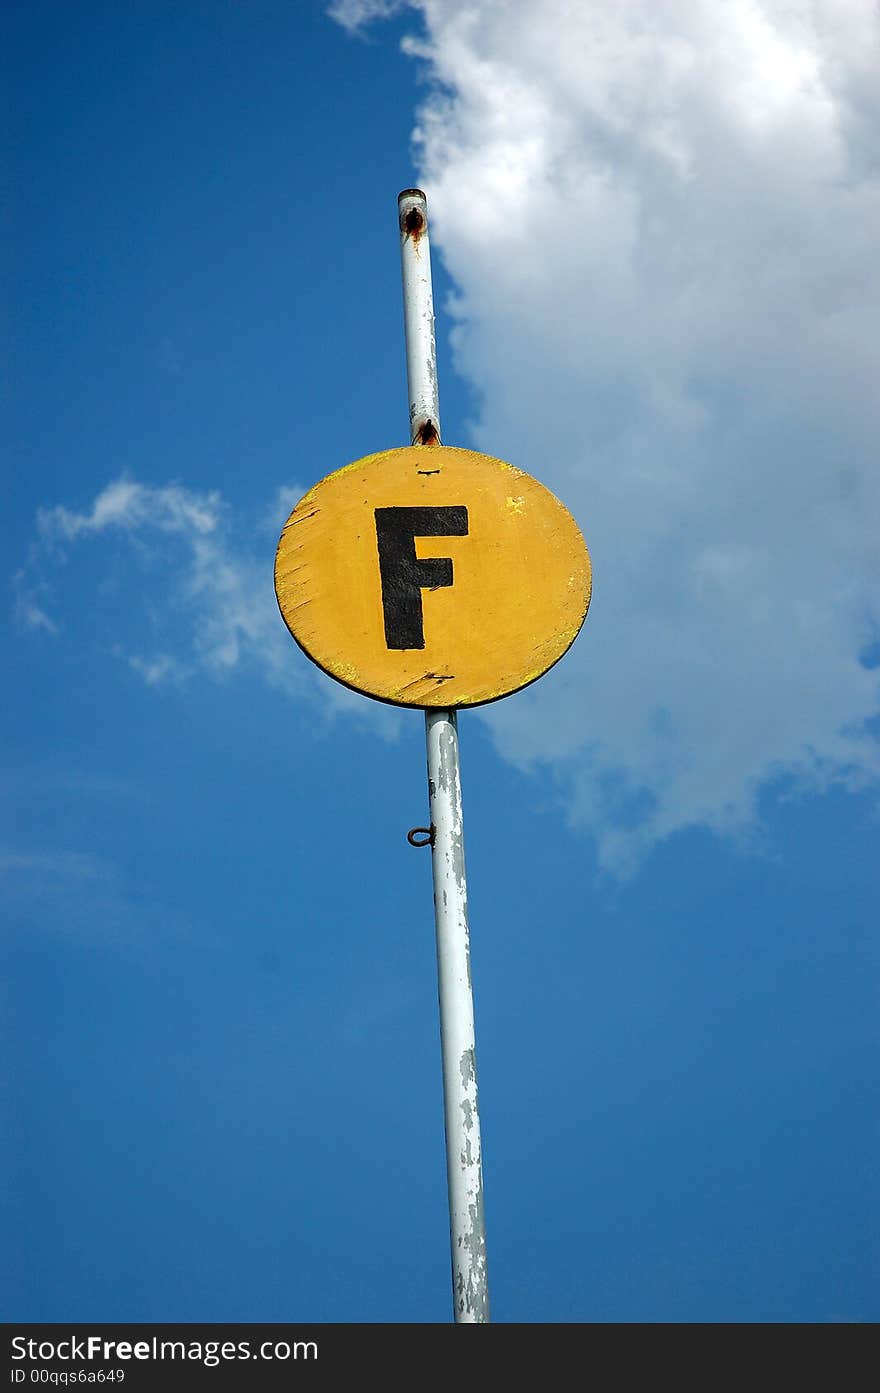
pixel 655 291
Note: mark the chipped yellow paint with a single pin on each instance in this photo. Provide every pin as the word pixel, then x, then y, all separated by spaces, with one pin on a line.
pixel 520 586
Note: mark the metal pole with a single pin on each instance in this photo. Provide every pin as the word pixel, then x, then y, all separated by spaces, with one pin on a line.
pixel 464 1168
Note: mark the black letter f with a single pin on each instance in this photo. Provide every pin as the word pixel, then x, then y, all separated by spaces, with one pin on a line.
pixel 404 576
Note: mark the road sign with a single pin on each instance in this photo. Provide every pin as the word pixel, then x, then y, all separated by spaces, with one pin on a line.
pixel 432 576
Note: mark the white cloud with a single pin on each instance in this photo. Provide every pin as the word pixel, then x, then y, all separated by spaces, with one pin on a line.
pixel 53 865
pixel 28 610
pixel 128 505
pixel 72 894
pixel 161 668
pixel 662 221
pixel 353 14
pixel 210 602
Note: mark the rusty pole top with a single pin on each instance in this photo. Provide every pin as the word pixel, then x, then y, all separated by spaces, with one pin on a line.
pixel 418 300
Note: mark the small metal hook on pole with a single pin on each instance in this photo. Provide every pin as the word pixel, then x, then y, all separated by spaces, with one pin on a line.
pixel 421 836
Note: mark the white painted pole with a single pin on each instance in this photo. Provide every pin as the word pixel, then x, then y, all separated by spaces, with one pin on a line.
pixel 464 1168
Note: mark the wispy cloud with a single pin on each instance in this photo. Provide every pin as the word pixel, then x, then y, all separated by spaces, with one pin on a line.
pixel 53 866
pixel 76 895
pixel 662 221
pixel 209 606
pixel 130 506
pixel 354 14
pixel 162 667
pixel 30 595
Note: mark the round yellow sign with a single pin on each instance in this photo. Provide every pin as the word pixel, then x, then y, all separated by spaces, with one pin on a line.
pixel 432 576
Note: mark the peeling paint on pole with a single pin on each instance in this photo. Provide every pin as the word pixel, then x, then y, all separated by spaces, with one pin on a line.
pixel 464 1159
